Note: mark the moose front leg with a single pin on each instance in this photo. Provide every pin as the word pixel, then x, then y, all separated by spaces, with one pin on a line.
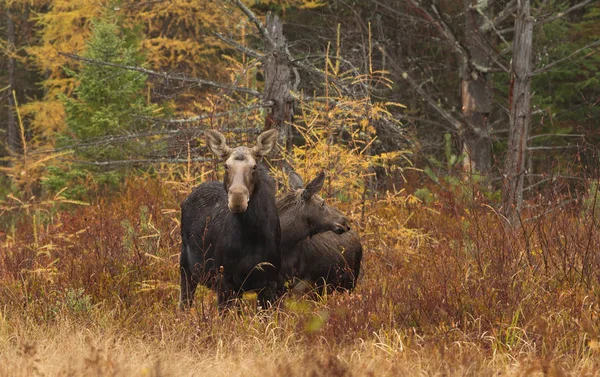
pixel 226 292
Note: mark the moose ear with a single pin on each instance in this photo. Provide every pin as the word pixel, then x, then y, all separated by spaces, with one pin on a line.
pixel 265 142
pixel 217 143
pixel 295 181
pixel 314 186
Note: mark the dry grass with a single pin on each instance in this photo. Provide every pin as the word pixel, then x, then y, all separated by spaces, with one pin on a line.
pixel 447 290
pixel 68 348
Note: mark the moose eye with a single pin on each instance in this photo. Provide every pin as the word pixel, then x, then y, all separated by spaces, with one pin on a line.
pixel 323 203
pixel 254 167
pixel 226 167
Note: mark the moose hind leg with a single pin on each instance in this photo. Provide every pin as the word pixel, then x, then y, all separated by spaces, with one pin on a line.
pixel 189 280
pixel 188 288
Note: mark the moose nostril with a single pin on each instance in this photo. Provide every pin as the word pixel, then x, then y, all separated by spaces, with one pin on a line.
pixel 345 224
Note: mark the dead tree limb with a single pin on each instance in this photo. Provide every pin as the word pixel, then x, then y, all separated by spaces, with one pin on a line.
pixel 278 82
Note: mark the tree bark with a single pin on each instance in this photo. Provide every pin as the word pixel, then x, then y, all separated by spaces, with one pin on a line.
pixel 476 97
pixel 15 145
pixel 278 83
pixel 520 112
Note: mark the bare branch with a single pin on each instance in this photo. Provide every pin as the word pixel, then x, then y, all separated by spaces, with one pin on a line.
pixel 552 147
pixel 239 47
pixel 491 24
pixel 398 13
pixel 163 75
pixel 214 115
pixel 261 29
pixel 547 67
pixel 502 16
pixel 448 34
pixel 562 14
pixel 143 161
pixel 554 135
pixel 455 123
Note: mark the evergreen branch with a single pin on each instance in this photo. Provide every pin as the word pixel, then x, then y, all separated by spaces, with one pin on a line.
pixel 164 75
pixel 252 17
pixel 547 67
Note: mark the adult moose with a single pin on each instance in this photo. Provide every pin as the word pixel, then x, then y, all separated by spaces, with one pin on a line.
pixel 230 230
pixel 318 247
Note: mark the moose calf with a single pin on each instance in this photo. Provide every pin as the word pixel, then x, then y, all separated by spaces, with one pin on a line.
pixel 318 247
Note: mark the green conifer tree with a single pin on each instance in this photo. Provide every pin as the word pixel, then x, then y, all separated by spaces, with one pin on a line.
pixel 108 103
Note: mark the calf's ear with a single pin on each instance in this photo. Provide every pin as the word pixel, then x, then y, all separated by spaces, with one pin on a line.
pixel 265 142
pixel 314 186
pixel 295 181
pixel 217 143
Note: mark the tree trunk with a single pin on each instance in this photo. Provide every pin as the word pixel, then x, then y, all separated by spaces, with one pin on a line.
pixel 476 97
pixel 278 83
pixel 520 112
pixel 15 145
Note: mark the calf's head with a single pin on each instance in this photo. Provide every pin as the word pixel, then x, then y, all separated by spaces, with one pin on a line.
pixel 308 209
pixel 240 165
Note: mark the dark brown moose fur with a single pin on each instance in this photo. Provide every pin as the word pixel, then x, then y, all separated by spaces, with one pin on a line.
pixel 326 258
pixel 230 230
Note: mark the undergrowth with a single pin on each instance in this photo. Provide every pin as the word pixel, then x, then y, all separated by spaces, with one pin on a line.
pixel 436 281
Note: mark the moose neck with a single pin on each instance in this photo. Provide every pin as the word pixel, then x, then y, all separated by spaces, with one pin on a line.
pixel 293 229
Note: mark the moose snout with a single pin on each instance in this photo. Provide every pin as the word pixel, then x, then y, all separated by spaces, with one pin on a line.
pixel 341 226
pixel 238 199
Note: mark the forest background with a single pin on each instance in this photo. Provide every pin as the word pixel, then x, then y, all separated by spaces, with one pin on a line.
pixel 460 136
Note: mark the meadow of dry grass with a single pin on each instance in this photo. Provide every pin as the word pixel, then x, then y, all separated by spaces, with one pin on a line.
pixel 446 290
